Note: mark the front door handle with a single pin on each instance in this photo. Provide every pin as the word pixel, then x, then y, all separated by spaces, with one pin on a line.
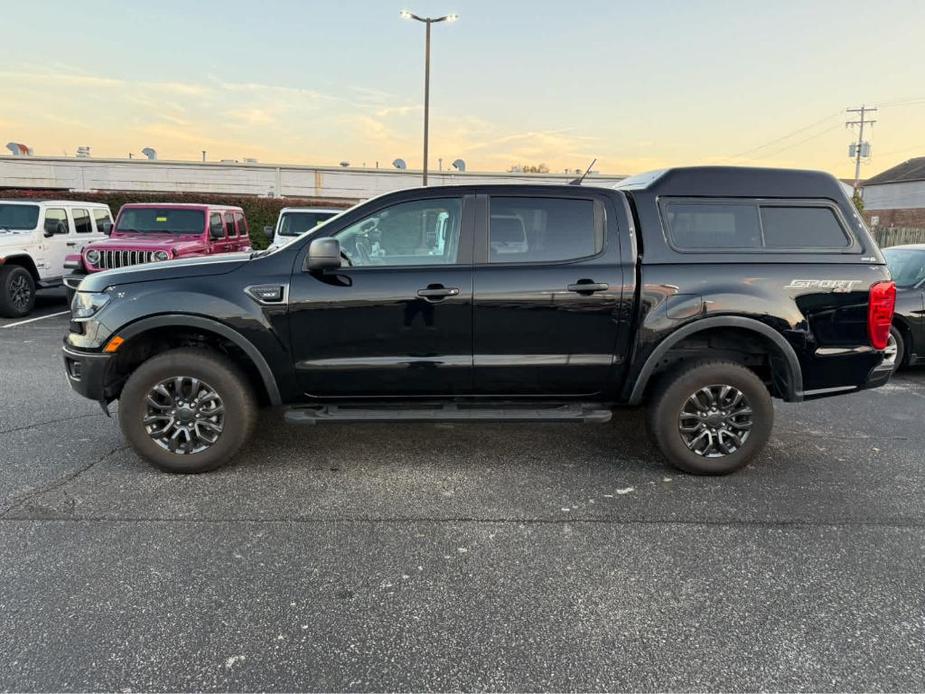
pixel 588 287
pixel 71 243
pixel 435 292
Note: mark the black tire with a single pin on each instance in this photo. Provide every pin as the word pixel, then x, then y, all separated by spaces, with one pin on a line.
pixel 214 372
pixel 672 403
pixel 17 291
pixel 897 338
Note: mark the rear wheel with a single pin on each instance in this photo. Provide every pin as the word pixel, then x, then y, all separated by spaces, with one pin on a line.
pixel 17 291
pixel 895 352
pixel 711 418
pixel 187 410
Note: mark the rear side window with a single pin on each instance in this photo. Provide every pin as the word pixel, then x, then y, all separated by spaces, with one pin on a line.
pixel 103 220
pixel 241 223
pixel 82 224
pixel 714 225
pixel 216 228
pixel 229 225
pixel 802 227
pixel 531 230
pixel 696 226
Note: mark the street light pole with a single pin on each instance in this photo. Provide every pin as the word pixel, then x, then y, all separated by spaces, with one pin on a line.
pixel 427 21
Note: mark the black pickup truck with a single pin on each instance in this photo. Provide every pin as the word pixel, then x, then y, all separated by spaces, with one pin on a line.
pixel 701 292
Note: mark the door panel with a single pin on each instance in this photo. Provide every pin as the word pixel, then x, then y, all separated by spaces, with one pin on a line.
pixel 544 326
pixel 363 332
pixel 59 245
pixel 398 322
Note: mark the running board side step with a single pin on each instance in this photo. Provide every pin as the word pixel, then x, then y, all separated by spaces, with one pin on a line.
pixel 575 412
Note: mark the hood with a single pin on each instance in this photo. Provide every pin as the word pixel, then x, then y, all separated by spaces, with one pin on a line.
pixel 203 266
pixel 13 237
pixel 149 242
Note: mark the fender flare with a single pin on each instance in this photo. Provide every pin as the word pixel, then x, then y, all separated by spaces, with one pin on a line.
pixel 795 372
pixel 192 321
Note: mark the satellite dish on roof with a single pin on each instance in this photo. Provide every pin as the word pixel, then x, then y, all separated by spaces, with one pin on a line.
pixel 459 165
pixel 18 149
pixel 399 164
pixel 149 153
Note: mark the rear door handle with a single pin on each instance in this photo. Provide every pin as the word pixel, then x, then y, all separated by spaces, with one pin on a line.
pixel 588 287
pixel 437 292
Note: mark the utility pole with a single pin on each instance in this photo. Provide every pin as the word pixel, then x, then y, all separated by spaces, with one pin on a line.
pixel 861 122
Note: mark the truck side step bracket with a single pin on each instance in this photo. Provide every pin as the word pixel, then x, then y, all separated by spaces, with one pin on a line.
pixel 553 412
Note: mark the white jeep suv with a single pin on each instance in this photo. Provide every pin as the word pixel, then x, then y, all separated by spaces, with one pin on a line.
pixel 35 238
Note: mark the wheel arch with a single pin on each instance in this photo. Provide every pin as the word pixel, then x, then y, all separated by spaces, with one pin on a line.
pixel 23 260
pixel 792 385
pixel 260 366
pixel 908 335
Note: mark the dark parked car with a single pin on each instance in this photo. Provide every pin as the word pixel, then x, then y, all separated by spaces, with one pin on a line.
pixel 907 337
pixel 701 292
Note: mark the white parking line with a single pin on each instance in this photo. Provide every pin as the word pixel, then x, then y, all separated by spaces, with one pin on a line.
pixel 32 320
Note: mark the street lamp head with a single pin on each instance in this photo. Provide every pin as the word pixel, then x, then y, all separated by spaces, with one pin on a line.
pixel 405 14
pixel 452 17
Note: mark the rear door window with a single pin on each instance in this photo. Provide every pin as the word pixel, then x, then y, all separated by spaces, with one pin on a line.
pixel 229 225
pixel 534 230
pixel 82 223
pixel 801 227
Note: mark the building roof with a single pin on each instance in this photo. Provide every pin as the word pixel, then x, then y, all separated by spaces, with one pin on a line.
pixel 909 170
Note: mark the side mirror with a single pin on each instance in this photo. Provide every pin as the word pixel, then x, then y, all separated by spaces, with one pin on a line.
pixel 269 232
pixel 52 227
pixel 323 254
pixel 106 227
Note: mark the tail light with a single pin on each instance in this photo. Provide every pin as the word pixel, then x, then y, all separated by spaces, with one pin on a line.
pixel 880 313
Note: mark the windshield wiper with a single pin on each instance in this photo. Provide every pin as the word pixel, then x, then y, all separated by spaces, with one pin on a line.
pixel 258 254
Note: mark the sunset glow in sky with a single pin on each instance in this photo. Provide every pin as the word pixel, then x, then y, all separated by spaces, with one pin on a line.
pixel 637 85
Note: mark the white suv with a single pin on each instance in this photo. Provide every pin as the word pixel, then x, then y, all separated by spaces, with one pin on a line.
pixel 35 238
pixel 295 221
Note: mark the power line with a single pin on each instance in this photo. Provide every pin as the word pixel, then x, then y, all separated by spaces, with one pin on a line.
pixel 788 135
pixel 797 143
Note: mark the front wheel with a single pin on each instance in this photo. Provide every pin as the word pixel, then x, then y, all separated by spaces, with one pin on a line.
pixel 711 418
pixel 17 291
pixel 187 410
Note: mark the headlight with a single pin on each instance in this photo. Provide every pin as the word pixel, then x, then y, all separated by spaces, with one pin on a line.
pixel 87 304
pixel 161 256
pixel 93 257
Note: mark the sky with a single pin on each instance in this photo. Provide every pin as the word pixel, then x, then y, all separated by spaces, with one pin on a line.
pixel 638 85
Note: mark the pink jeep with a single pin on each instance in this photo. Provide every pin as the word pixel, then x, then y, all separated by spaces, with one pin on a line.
pixel 155 232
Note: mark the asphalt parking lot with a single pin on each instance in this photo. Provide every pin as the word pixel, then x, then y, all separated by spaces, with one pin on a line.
pixel 504 557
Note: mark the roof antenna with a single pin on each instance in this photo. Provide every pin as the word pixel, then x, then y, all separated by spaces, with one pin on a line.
pixel 577 181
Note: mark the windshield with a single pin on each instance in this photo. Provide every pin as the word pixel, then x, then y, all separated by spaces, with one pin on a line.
pixel 906 266
pixel 163 220
pixel 19 216
pixel 296 223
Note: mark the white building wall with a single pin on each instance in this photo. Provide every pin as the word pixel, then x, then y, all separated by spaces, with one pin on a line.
pixel 141 175
pixel 895 196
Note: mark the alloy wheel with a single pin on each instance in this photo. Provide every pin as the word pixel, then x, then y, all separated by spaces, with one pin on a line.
pixel 20 292
pixel 184 415
pixel 891 352
pixel 715 421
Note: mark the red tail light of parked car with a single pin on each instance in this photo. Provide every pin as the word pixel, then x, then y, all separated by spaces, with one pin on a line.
pixel 880 313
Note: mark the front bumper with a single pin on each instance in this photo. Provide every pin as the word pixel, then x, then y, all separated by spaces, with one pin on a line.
pixel 87 373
